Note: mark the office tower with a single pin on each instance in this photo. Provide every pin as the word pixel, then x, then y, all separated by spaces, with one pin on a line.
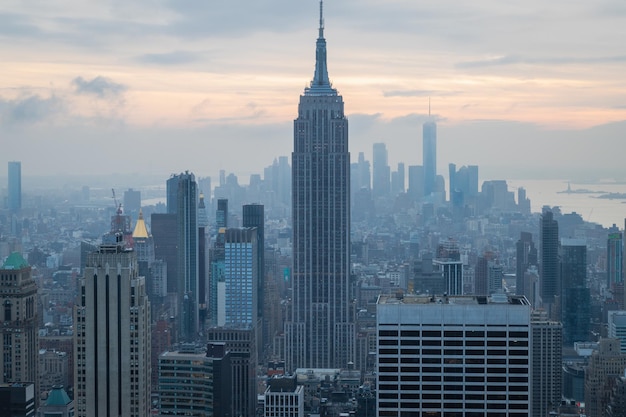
pixel 397 180
pixel 203 262
pixel 363 178
pixel 283 398
pixel 429 148
pixel 614 259
pixel 547 353
pixel 221 217
pixel 132 202
pixel 182 200
pixel 53 371
pixel 380 171
pixel 195 382
pixel 19 351
pixel 463 183
pixel 319 332
pixel 453 355
pixel 549 260
pixel 165 235
pixel 453 182
pixel 254 217
pixel 617 327
pixel 241 278
pixel 526 256
pixel 217 284
pixel 17 400
pixel 241 343
pixel 143 245
pixel 416 182
pixel 575 296
pixel 112 337
pixel 58 404
pixel 605 365
pixel 481 274
pixel 523 203
pixel 15 186
pixel 617 403
pixel 448 264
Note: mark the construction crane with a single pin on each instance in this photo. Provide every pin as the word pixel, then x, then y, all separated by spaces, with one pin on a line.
pixel 118 206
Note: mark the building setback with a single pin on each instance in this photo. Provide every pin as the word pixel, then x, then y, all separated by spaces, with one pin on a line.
pixel 453 355
pixel 112 373
pixel 319 332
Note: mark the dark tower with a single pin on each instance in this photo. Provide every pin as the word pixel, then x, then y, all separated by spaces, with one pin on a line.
pixel 549 262
pixel 319 331
pixel 526 256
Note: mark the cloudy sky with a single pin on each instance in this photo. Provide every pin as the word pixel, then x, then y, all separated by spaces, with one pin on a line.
pixel 523 89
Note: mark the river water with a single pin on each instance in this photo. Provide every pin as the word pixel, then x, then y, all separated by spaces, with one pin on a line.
pixel 603 211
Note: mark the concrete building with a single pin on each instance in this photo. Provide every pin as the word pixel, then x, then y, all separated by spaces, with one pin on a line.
pixel 617 327
pixel 319 332
pixel 546 364
pixel 284 398
pixel 53 370
pixel 19 350
pixel 112 373
pixel 195 382
pixel 453 355
pixel 605 365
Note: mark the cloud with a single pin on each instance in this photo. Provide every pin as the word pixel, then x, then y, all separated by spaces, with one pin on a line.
pixel 169 58
pixel 101 87
pixel 29 109
pixel 513 60
pixel 419 93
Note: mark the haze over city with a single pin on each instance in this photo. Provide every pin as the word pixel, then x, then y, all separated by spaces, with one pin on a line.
pixel 153 87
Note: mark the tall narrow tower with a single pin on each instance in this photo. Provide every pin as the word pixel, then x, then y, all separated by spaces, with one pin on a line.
pixel 320 331
pixel 15 186
pixel 429 148
pixel 112 338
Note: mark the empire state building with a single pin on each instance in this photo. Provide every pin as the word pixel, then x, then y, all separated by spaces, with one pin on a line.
pixel 319 331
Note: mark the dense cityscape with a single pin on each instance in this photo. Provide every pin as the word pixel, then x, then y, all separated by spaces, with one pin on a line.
pixel 329 285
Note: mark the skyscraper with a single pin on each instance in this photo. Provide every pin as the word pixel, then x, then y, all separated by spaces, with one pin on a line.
pixel 182 200
pixel 575 296
pixel 549 260
pixel 381 171
pixel 241 278
pixel 15 185
pixel 526 256
pixel 19 350
pixel 429 148
pixel 547 353
pixel 614 261
pixel 455 356
pixel 112 339
pixel 319 331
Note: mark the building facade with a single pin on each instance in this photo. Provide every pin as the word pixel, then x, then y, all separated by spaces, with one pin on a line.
pixel 453 355
pixel 15 186
pixel 112 372
pixel 549 261
pixel 319 332
pixel 19 350
pixel 546 362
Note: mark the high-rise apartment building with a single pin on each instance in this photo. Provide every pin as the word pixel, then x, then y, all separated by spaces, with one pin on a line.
pixel 549 261
pixel 429 148
pixel 546 362
pixel 381 171
pixel 319 331
pixel 575 296
pixel 182 200
pixel 453 355
pixel 15 186
pixel 254 216
pixel 241 278
pixel 203 262
pixel 19 350
pixel 112 373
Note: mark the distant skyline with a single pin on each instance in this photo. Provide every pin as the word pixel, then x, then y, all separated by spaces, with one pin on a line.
pixel 523 90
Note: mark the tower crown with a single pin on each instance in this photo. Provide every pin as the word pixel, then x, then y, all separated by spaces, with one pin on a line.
pixel 320 85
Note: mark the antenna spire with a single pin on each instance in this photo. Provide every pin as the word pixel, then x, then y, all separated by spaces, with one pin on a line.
pixel 321 18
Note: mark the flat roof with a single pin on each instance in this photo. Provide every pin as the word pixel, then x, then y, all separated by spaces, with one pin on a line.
pixel 453 299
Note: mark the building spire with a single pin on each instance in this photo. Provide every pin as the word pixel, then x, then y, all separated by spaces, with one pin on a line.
pixel 321 82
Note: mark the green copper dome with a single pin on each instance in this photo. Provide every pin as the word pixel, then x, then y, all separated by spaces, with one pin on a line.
pixel 58 396
pixel 15 261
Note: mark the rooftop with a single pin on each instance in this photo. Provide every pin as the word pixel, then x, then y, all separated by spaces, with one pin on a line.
pixel 15 261
pixel 453 299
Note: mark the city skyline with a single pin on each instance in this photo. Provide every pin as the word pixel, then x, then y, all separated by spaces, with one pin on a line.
pixel 87 78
